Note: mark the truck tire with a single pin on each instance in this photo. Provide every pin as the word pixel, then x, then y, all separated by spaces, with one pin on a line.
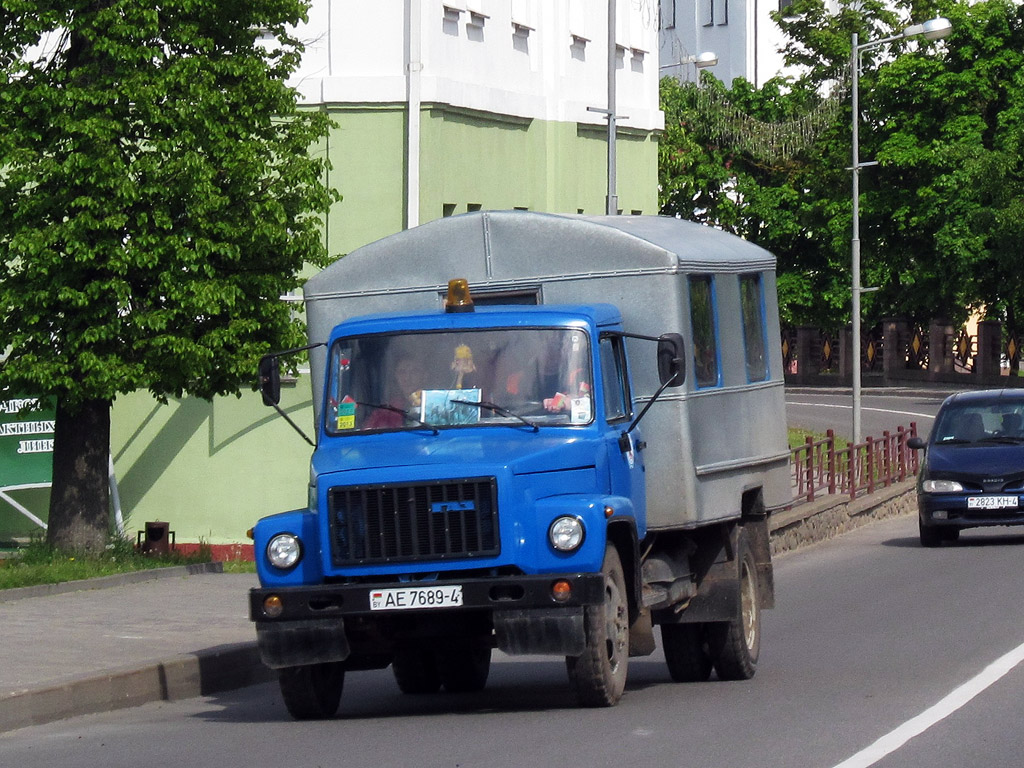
pixel 312 691
pixel 415 671
pixel 464 665
pixel 686 652
pixel 599 674
pixel 735 645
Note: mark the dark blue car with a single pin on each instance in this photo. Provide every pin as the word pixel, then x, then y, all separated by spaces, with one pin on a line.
pixel 972 473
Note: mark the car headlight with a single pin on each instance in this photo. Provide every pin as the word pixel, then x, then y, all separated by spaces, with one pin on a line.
pixel 941 486
pixel 566 534
pixel 284 551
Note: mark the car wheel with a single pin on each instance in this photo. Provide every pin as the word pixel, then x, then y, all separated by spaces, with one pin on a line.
pixel 930 535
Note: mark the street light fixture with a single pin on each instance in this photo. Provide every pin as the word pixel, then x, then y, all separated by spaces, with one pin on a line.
pixel 700 61
pixel 933 29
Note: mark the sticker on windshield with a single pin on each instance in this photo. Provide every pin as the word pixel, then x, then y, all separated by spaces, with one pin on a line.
pixel 347 413
pixel 579 410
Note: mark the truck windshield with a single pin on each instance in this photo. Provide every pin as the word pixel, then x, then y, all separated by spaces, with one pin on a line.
pixel 522 377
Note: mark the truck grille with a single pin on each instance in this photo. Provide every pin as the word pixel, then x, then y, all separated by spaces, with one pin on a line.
pixel 407 522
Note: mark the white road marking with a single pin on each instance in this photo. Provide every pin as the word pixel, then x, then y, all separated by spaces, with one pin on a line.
pixel 936 713
pixel 879 410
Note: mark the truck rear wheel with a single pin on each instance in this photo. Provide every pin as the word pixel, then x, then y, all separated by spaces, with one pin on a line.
pixel 735 645
pixel 599 674
pixel 415 671
pixel 464 665
pixel 312 691
pixel 686 652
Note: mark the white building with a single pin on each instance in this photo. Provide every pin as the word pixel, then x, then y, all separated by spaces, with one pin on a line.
pixel 739 32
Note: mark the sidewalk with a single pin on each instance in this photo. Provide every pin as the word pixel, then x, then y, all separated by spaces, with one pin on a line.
pixel 122 642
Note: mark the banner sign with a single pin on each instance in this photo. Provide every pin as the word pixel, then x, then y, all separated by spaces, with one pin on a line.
pixel 26 441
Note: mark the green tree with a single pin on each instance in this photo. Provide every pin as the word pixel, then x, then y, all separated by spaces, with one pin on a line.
pixel 948 204
pixel 941 214
pixel 158 195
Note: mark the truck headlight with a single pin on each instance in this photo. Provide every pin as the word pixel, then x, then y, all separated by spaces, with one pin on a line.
pixel 941 486
pixel 284 551
pixel 566 534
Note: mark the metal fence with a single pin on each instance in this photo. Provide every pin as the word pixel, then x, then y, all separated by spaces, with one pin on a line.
pixel 820 468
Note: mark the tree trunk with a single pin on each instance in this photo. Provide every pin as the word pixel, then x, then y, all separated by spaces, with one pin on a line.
pixel 80 496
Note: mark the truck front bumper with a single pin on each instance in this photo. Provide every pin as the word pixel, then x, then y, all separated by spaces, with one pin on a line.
pixel 317 624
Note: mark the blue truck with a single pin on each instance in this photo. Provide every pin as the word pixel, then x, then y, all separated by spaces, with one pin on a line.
pixel 535 433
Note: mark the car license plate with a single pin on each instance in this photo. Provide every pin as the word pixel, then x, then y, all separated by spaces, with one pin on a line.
pixel 407 598
pixel 991 502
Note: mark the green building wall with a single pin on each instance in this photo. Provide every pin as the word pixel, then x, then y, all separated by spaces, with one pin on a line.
pixel 212 469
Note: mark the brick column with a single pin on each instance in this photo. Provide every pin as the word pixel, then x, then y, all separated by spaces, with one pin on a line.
pixel 807 352
pixel 990 338
pixel 895 335
pixel 940 346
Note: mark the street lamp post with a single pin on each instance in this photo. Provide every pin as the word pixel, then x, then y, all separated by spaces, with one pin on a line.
pixel 933 29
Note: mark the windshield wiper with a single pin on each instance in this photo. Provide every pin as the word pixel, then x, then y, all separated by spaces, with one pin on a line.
pixel 498 410
pixel 402 411
pixel 1006 439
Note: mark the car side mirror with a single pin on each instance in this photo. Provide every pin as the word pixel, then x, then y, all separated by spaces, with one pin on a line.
pixel 916 443
pixel 671 360
pixel 270 380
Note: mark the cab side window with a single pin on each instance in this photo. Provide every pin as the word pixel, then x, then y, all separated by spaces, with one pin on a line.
pixel 704 322
pixel 613 378
pixel 752 309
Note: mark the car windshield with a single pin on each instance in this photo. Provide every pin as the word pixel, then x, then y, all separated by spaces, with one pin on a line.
pixel 519 377
pixel 981 422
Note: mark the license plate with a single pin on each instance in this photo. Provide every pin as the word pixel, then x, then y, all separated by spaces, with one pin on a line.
pixel 991 502
pixel 407 598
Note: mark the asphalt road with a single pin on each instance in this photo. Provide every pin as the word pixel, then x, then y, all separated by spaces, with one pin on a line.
pixel 882 409
pixel 873 638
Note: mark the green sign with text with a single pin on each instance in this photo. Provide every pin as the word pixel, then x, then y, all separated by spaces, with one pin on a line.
pixel 26 441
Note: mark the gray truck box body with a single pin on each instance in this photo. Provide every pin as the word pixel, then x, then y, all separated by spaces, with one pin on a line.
pixel 705 447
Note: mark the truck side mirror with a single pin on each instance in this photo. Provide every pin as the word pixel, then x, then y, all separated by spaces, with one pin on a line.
pixel 270 380
pixel 671 360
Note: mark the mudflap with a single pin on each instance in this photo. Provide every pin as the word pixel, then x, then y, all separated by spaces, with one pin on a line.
pixel 540 631
pixel 297 643
pixel 717 597
pixel 758 535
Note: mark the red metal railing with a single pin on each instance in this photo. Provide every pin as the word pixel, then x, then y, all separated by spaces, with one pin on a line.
pixel 821 468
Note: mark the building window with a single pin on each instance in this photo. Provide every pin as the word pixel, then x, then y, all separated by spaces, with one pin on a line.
pixel 704 325
pixel 784 4
pixel 754 342
pixel 668 14
pixel 717 13
pixel 473 207
pixel 447 209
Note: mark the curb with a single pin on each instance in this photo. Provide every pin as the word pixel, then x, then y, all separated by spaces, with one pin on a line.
pixel 214 670
pixel 103 582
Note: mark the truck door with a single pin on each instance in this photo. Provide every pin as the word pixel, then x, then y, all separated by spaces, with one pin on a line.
pixel 625 467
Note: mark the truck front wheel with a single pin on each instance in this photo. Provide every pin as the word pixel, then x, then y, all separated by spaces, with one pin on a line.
pixel 599 674
pixel 735 645
pixel 312 691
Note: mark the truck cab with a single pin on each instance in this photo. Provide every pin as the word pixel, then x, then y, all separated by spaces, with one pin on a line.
pixel 481 481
